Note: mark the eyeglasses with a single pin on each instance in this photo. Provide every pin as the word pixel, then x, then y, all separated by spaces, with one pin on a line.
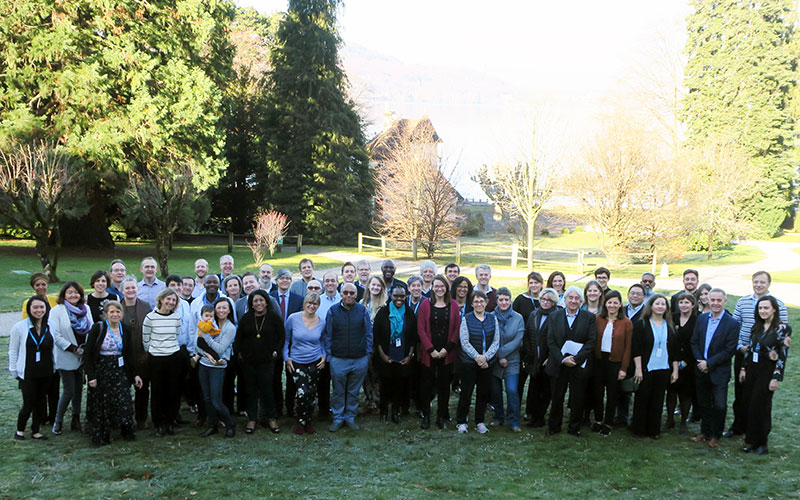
pixel 545 299
pixel 314 288
pixel 348 292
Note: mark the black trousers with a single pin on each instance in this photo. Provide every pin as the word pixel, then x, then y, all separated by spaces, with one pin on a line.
pixel 165 386
pixel 472 376
pixel 395 382
pixel 234 389
pixel 258 380
pixel 649 403
pixel 435 378
pixel 758 402
pixel 604 384
pixel 324 391
pixel 182 384
pixel 141 400
pixel 524 375
pixel 53 394
pixel 740 408
pixel 540 395
pixel 576 381
pixel 34 401
pixel 713 402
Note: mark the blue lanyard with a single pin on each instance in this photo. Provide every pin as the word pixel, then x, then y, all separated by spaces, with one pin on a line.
pixel 118 344
pixel 33 337
pixel 483 342
pixel 657 333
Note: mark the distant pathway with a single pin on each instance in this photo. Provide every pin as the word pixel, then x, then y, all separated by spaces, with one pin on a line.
pixel 734 279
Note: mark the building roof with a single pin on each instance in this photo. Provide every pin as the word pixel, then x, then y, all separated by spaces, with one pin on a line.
pixel 413 131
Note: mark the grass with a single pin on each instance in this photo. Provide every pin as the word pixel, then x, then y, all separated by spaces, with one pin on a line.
pixel 388 461
pixel 79 264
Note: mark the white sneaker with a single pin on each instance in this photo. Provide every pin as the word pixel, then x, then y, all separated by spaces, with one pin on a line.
pixel 461 428
pixel 481 428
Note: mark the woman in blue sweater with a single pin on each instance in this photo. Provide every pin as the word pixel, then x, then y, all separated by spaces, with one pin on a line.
pixel 305 357
pixel 480 340
pixel 212 372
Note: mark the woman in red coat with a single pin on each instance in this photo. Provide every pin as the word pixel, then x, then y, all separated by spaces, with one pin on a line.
pixel 438 321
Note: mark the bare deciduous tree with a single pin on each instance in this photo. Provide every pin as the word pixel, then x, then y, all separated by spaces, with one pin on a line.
pixel 521 189
pixel 158 199
pixel 612 182
pixel 268 230
pixel 416 198
pixel 40 183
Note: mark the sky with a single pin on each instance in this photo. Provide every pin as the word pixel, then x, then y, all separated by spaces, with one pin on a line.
pixel 569 54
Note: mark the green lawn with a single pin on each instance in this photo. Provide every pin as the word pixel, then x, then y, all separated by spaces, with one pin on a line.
pixel 78 265
pixel 389 461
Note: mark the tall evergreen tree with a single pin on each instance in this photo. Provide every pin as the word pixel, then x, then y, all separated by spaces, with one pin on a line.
pixel 318 168
pixel 741 77
pixel 126 86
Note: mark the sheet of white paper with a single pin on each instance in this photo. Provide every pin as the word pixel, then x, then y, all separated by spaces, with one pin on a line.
pixel 571 348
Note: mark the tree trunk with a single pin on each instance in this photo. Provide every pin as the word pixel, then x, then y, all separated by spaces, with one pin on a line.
pixel 44 250
pixel 530 246
pixel 710 245
pixel 91 230
pixel 162 252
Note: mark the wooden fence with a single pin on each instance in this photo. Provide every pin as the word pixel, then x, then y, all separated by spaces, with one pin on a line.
pixel 518 253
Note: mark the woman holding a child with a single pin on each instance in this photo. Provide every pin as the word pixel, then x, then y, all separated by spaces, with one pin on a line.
pixel 215 355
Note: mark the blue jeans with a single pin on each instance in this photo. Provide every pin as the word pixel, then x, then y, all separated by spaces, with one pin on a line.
pixel 512 395
pixel 211 382
pixel 347 375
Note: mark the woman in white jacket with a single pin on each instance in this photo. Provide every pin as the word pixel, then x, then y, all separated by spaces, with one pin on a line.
pixel 70 322
pixel 30 361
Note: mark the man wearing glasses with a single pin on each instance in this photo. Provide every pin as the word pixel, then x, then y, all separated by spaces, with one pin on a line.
pixel 348 346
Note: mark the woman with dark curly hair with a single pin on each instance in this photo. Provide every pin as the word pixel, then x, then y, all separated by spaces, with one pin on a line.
pixel 70 322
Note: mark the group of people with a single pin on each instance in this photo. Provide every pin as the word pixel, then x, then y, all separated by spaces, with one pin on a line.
pixel 224 343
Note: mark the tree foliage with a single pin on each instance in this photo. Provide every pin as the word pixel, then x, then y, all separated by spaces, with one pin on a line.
pixel 237 197
pixel 317 171
pixel 124 85
pixel 40 183
pixel 741 78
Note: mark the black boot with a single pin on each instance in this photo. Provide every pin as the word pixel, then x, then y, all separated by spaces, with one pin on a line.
pixel 426 422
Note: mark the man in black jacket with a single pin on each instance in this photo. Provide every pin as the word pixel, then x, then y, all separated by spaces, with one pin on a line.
pixel 571 335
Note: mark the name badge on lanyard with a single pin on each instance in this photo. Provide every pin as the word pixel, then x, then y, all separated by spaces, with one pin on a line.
pixel 120 360
pixel 38 356
pixel 755 357
pixel 398 342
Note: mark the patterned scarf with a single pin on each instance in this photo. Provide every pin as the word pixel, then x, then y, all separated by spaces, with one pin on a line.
pixel 78 319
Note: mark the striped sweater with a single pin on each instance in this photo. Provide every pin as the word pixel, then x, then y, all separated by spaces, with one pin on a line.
pixel 160 333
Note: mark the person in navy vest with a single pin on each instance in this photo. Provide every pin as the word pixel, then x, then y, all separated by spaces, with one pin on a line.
pixel 480 340
pixel 714 344
pixel 348 346
pixel 571 334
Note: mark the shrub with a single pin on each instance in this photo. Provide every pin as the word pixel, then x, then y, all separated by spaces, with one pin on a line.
pixel 545 232
pixel 565 230
pixel 269 228
pixel 578 229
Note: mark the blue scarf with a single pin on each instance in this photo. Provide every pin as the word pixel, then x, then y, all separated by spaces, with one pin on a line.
pixel 396 320
pixel 502 317
pixel 77 318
